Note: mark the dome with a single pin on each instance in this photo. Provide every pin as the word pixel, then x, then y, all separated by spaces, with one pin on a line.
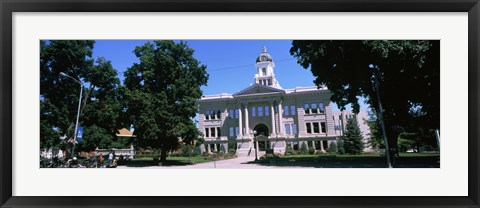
pixel 264 56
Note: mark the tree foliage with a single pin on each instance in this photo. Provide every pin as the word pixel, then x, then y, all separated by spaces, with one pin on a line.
pixel 408 74
pixel 353 139
pixel 161 93
pixel 375 139
pixel 59 94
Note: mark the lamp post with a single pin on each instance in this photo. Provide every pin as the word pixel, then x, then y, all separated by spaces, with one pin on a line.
pixel 380 117
pixel 255 143
pixel 78 110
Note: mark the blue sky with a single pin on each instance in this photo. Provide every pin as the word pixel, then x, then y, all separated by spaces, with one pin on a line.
pixel 230 63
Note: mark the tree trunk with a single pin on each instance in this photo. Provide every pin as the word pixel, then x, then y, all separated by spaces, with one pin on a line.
pixel 163 155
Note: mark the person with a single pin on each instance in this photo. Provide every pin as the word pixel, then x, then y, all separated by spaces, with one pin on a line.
pixel 120 160
pixel 110 159
pixel 100 159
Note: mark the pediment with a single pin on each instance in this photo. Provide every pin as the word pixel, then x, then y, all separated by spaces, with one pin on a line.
pixel 258 89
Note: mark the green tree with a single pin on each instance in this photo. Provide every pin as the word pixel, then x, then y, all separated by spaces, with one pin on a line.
pixel 161 93
pixel 375 139
pixel 408 74
pixel 353 139
pixel 59 94
pixel 101 107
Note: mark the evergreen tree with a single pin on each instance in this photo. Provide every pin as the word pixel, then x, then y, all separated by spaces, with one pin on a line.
pixel 353 140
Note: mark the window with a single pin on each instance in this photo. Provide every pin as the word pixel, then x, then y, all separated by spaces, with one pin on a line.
pixel 254 112
pixel 275 108
pixel 260 111
pixel 309 128
pixel 219 132
pixel 307 109
pixel 294 128
pixel 219 115
pixel 207 134
pixel 236 113
pixel 321 107
pixel 269 82
pixel 285 110
pixel 314 108
pixel 267 111
pixel 231 132
pixel 231 113
pixel 207 115
pixel 237 132
pixel 264 71
pixel 316 128
pixel 324 127
pixel 292 110
pixel 212 132
pixel 287 129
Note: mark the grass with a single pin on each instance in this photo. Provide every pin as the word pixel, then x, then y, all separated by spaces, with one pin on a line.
pixel 171 161
pixel 366 160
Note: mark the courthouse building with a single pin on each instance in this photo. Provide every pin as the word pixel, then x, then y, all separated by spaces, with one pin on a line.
pixel 269 116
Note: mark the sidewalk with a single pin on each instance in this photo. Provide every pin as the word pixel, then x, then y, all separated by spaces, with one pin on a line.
pixel 238 163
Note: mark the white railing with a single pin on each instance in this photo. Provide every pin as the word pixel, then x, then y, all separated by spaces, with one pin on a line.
pixel 118 152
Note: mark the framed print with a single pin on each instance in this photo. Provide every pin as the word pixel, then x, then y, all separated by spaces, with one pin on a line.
pixel 152 103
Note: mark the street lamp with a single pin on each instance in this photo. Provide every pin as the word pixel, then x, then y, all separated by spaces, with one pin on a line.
pixel 255 143
pixel 78 111
pixel 380 117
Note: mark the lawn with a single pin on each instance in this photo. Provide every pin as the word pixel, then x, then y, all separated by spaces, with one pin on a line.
pixel 171 161
pixel 367 160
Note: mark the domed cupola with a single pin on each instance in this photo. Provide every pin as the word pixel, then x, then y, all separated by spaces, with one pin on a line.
pixel 265 70
pixel 264 56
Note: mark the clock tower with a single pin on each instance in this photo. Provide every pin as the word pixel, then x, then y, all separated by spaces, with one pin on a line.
pixel 264 66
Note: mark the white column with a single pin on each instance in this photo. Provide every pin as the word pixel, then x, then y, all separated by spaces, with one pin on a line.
pixel 247 128
pixel 280 120
pixel 209 149
pixel 313 144
pixel 240 127
pixel 272 112
pixel 321 146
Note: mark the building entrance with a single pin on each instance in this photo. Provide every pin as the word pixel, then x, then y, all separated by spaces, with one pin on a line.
pixel 261 137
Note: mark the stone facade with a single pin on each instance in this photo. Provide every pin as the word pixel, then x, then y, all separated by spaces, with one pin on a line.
pixel 267 115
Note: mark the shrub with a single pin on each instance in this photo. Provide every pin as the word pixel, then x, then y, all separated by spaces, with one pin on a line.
pixel 185 151
pixel 269 156
pixel 196 151
pixel 289 150
pixel 340 148
pixel 303 149
pixel 404 144
pixel 311 150
pixel 332 148
pixel 232 152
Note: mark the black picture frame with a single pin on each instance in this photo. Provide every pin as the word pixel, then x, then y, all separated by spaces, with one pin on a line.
pixel 7 7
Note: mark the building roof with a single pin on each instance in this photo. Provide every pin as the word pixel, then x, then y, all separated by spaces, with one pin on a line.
pixel 125 133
